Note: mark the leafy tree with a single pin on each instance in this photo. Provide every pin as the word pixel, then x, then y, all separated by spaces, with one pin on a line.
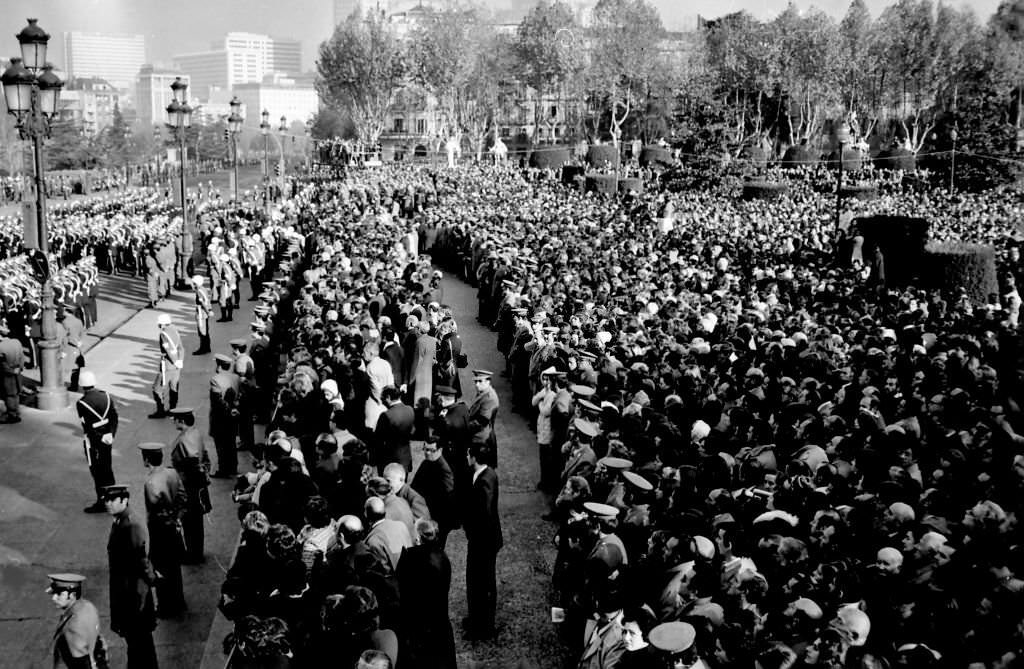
pixel 360 71
pixel 330 123
pixel 626 35
pixel 546 51
pixel 116 139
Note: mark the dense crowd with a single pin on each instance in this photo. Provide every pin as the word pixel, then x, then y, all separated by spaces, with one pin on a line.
pixel 753 455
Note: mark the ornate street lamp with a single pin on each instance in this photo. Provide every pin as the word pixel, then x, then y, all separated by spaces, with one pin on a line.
pixel 235 121
pixel 843 137
pixel 32 94
pixel 179 117
pixel 265 131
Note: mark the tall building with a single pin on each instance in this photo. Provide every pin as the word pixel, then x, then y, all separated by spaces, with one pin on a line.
pixel 240 58
pixel 89 102
pixel 113 57
pixel 295 99
pixel 153 93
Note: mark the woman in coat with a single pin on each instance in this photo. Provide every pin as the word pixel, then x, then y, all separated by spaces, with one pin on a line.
pixel 449 348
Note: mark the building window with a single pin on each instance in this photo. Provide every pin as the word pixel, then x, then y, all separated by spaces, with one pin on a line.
pixel 505 131
pixel 421 126
pixel 399 125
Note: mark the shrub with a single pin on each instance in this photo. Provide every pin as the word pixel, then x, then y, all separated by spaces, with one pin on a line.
pixel 632 183
pixel 599 155
pixel 570 172
pixel 602 183
pixel 553 157
pixel 954 266
pixel 855 192
pixel 761 190
pixel 798 156
pixel 755 157
pixel 852 159
pixel 656 156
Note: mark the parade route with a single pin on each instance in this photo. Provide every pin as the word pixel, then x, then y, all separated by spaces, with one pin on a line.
pixel 44 484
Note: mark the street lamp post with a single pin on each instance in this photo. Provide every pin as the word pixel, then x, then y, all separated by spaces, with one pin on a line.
pixel 265 131
pixel 235 121
pixel 309 148
pixel 179 118
pixel 32 94
pixel 843 136
pixel 952 162
pixel 282 129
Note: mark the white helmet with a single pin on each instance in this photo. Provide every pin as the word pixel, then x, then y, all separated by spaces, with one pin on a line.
pixel 163 319
pixel 86 379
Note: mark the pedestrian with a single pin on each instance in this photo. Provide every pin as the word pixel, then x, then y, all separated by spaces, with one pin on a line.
pixel 98 415
pixel 435 481
pixel 172 360
pixel 12 361
pixel 190 459
pixel 132 577
pixel 166 502
pixel 424 579
pixel 482 525
pixel 224 416
pixel 394 431
pixel 76 641
pixel 202 315
pixel 483 411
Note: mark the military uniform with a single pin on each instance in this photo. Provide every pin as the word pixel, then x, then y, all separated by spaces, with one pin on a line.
pixel 224 417
pixel 98 415
pixel 172 359
pixel 190 459
pixel 77 643
pixel 203 307
pixel 166 501
pixel 12 361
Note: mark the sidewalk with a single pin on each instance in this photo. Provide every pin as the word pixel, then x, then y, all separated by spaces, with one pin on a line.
pixel 44 483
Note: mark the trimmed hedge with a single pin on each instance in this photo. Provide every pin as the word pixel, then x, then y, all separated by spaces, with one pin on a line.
pixel 549 157
pixel 656 156
pixel 762 190
pixel 570 172
pixel 955 265
pixel 901 239
pixel 632 183
pixel 755 157
pixel 798 156
pixel 602 183
pixel 897 159
pixel 869 192
pixel 599 155
pixel 852 159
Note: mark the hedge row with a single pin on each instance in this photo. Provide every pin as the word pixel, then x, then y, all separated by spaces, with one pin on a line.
pixel 761 190
pixel 602 183
pixel 603 154
pixel 956 266
pixel 552 157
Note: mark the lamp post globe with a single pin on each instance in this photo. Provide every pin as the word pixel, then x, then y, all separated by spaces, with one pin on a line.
pixel 179 87
pixel 18 83
pixel 33 41
pixel 50 86
pixel 174 116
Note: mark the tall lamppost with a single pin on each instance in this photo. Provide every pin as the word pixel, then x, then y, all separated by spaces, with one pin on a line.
pixel 952 162
pixel 843 136
pixel 282 129
pixel 32 94
pixel 309 147
pixel 179 118
pixel 265 131
pixel 235 121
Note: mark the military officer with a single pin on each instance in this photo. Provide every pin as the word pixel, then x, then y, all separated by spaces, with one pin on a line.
pixel 77 643
pixel 165 505
pixel 98 415
pixel 153 275
pixel 203 306
pixel 248 392
pixel 483 411
pixel 12 361
pixel 190 459
pixel 132 609
pixel 172 360
pixel 224 416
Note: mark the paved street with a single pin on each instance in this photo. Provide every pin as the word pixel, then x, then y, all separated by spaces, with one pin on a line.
pixel 44 483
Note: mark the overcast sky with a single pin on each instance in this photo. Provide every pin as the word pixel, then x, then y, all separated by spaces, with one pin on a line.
pixel 180 26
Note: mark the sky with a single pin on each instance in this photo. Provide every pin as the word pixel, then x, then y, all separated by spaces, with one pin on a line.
pixel 182 26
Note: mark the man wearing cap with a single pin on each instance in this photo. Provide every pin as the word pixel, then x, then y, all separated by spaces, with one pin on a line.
pixel 12 361
pixel 248 392
pixel 202 315
pixel 172 360
pixel 190 459
pixel 580 457
pixel 675 640
pixel 98 415
pixel 132 609
pixel 166 501
pixel 224 416
pixel 483 411
pixel 77 643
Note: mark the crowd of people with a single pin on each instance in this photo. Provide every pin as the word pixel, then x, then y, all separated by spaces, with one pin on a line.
pixel 753 455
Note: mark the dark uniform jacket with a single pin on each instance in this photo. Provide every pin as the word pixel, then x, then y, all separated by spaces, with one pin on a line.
pixel 131 576
pixel 98 414
pixel 77 637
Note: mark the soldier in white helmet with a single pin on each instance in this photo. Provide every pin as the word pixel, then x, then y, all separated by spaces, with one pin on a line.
pixel 98 414
pixel 172 360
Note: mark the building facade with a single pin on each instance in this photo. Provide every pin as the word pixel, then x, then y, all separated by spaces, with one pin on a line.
pixel 295 99
pixel 115 58
pixel 153 93
pixel 240 58
pixel 89 102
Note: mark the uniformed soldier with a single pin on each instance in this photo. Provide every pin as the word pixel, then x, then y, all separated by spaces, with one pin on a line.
pixel 190 459
pixel 153 275
pixel 172 360
pixel 166 501
pixel 98 414
pixel 248 393
pixel 77 643
pixel 224 416
pixel 12 361
pixel 132 609
pixel 202 315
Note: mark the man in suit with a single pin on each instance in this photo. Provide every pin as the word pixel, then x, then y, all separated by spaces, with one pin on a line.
pixel 76 641
pixel 395 475
pixel 483 411
pixel 603 645
pixel 436 482
pixel 166 502
pixel 98 415
pixel 388 538
pixel 224 416
pixel 132 609
pixel 394 431
pixel 483 534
